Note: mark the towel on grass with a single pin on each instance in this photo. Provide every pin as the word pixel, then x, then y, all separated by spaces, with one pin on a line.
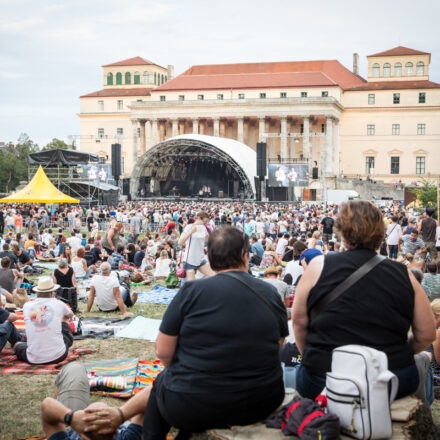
pixel 147 371
pixel 116 368
pixel 158 295
pixel 101 328
pixel 10 364
pixel 141 328
pixel 47 265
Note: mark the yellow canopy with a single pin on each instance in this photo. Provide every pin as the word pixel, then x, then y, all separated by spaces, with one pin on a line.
pixel 39 190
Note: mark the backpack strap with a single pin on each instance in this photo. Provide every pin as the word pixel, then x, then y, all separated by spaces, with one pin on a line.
pixel 346 284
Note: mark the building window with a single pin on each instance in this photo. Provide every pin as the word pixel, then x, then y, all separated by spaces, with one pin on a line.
pixel 301 128
pixel 118 78
pixel 163 79
pixel 422 98
pixel 262 95
pixel 371 98
pixel 154 77
pixel 138 132
pixel 322 128
pixel 396 129
pixel 421 128
pixel 396 98
pixel 387 69
pixel 100 133
pixel 241 96
pixel 110 79
pixel 166 78
pixel 146 77
pixel 119 131
pixel 220 96
pixel 181 97
pixel 136 78
pixel 398 69
pixel 324 94
pixel 303 94
pixel 163 98
pixel 101 106
pixel 371 129
pixel 420 68
pixel 409 69
pixel 395 164
pixel 127 78
pixel 120 104
pixel 283 95
pixel 376 70
pixel 101 160
pixel 200 97
pixel 420 165
pixel 369 165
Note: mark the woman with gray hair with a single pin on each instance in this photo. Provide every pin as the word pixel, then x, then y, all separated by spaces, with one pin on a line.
pixel 64 275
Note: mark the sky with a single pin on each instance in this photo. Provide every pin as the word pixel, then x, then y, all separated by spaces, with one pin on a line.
pixel 51 52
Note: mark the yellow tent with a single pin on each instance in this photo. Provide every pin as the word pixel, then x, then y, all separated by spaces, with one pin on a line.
pixel 39 190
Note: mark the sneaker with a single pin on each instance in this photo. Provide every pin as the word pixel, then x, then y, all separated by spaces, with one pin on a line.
pixel 134 297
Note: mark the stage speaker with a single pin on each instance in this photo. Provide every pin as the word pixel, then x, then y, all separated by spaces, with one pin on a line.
pixel 314 172
pixel 126 187
pixel 261 160
pixel 116 161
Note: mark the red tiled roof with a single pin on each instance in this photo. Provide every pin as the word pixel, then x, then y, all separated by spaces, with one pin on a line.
pixel 264 75
pixel 396 85
pixel 118 92
pixel 135 61
pixel 399 51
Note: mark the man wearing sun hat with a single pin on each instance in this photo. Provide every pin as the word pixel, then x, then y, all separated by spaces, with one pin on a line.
pixel 48 333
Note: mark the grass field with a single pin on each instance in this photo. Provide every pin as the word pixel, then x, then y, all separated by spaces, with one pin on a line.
pixel 23 393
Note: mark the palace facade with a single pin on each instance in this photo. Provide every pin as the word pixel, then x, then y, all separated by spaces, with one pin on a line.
pixel 386 126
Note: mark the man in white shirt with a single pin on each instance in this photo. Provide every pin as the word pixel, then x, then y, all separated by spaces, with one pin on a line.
pixel 283 241
pixel 74 242
pixel 393 233
pixel 110 295
pixel 48 333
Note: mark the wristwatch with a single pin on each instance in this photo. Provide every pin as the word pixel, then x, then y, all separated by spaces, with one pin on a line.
pixel 68 418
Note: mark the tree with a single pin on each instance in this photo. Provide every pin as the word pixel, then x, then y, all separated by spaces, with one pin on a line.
pixel 56 144
pixel 426 194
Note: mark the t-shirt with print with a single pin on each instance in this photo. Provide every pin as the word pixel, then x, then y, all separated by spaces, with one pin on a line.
pixel 228 336
pixel 196 245
pixel 104 295
pixel 43 318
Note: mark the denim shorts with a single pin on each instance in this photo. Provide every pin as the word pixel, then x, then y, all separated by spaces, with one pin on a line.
pixel 188 266
pixel 130 432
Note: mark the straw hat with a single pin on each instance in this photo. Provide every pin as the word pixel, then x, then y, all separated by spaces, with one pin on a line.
pixel 45 285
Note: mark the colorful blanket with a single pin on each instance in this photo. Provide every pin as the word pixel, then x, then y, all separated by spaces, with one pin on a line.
pixel 158 294
pixel 147 372
pixel 10 364
pixel 125 368
pixel 19 323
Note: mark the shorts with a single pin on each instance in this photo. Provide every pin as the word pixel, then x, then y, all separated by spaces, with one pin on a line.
pixel 326 238
pixel 393 250
pixel 130 432
pixel 21 349
pixel 188 266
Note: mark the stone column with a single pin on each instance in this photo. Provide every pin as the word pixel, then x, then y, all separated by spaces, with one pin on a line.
pixel 328 146
pixel 306 137
pixel 174 127
pixel 336 170
pixel 217 127
pixel 182 126
pixel 142 140
pixel 134 145
pixel 261 127
pixel 240 122
pixel 314 146
pixel 195 125
pixel 283 129
pixel 153 132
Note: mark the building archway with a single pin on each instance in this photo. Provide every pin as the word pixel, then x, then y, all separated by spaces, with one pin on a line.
pixel 192 164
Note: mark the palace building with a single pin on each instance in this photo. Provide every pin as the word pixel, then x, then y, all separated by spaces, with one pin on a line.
pixel 386 127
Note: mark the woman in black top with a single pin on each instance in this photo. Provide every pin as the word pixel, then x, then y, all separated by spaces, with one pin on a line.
pixel 64 275
pixel 131 250
pixel 377 311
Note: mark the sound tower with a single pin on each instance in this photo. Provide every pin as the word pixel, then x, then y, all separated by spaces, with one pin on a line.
pixel 261 160
pixel 116 161
pixel 314 172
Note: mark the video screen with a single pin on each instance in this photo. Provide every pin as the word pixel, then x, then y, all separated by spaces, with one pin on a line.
pixel 285 175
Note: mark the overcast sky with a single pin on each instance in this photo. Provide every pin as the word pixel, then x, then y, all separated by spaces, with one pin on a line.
pixel 51 52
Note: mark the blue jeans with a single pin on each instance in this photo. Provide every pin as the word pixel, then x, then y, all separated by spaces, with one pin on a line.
pixel 130 432
pixel 87 275
pixel 311 385
pixel 9 333
pixel 393 249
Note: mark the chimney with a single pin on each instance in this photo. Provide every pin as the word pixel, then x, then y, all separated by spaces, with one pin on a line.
pixel 356 63
pixel 170 72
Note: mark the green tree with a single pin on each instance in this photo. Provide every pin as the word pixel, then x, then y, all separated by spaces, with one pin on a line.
pixel 426 194
pixel 56 144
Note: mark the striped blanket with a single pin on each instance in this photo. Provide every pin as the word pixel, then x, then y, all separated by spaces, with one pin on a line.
pixel 19 323
pixel 10 364
pixel 112 371
pixel 147 372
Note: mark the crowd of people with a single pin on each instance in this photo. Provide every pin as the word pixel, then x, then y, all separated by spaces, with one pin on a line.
pixel 252 277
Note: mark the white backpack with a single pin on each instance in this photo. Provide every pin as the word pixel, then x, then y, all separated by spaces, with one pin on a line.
pixel 357 391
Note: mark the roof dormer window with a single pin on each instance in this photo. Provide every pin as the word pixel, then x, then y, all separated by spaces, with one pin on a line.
pixel 420 68
pixel 409 69
pixel 398 69
pixel 387 69
pixel 376 70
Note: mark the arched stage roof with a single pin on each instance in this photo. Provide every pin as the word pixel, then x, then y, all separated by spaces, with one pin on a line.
pixel 241 157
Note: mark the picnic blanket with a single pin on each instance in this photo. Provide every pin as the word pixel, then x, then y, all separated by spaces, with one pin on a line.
pixel 101 328
pixel 147 372
pixel 116 368
pixel 49 265
pixel 158 294
pixel 10 364
pixel 19 323
pixel 140 328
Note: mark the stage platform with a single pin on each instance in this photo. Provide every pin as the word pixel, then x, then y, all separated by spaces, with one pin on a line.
pixel 209 200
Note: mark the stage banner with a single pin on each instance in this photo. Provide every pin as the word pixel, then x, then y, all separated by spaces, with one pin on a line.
pixel 96 173
pixel 285 175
